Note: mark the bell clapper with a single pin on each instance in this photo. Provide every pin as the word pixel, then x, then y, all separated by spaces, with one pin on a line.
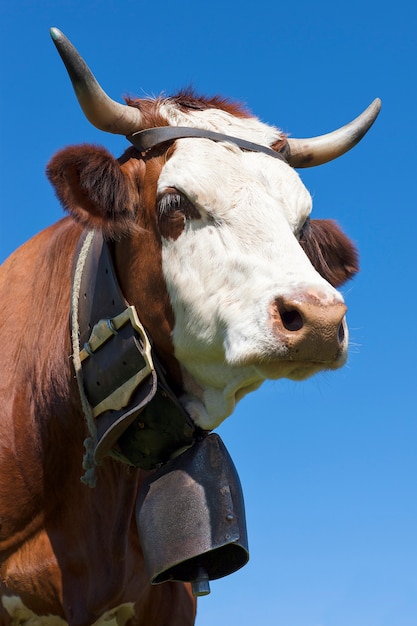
pixel 201 585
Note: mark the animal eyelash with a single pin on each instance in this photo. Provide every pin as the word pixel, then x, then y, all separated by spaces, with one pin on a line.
pixel 170 202
pixel 173 202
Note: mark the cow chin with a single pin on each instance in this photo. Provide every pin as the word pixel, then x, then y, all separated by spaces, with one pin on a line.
pixel 298 370
pixel 213 398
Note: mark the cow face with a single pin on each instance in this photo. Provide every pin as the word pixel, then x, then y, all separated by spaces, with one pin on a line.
pixel 231 237
pixel 248 304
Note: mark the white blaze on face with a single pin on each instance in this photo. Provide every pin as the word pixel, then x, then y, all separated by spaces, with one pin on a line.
pixel 225 269
pixel 217 120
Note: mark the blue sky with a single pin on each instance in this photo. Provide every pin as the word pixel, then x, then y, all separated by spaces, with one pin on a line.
pixel 327 466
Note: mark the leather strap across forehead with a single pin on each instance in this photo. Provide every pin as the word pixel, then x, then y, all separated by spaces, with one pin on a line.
pixel 144 140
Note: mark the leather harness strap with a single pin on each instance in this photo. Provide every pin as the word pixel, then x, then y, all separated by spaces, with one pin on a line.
pixel 137 416
pixel 144 140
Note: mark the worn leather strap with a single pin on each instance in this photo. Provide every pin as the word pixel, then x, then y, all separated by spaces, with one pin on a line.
pixel 151 425
pixel 144 140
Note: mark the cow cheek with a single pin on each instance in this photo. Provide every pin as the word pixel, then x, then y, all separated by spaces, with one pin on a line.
pixel 171 226
pixel 139 268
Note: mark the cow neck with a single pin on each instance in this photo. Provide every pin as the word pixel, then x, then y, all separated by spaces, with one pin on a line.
pixel 130 409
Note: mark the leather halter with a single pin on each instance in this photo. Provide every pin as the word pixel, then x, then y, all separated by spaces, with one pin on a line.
pixel 144 140
pixel 136 415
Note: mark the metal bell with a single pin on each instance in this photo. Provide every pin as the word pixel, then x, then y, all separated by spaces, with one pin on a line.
pixel 191 518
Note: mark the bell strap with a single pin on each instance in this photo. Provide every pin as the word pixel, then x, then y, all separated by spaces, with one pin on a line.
pixel 121 375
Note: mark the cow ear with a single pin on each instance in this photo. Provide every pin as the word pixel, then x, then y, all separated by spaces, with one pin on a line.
pixel 92 187
pixel 330 251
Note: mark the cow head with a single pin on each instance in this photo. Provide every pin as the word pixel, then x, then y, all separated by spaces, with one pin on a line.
pixel 213 243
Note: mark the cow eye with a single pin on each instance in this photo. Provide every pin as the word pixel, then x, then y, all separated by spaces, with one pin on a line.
pixel 169 203
pixel 172 202
pixel 302 231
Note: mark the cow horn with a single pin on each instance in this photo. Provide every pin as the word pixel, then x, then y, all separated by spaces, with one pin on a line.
pixel 103 112
pixel 324 148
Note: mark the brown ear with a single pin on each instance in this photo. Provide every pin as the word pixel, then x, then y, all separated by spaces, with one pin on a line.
pixel 330 251
pixel 92 187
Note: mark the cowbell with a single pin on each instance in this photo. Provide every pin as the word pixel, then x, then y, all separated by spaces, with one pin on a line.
pixel 191 517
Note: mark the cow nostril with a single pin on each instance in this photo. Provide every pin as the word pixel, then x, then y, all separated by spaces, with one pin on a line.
pixel 292 320
pixel 341 333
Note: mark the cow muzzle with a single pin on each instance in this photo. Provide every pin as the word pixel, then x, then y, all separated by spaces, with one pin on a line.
pixel 191 518
pixel 310 327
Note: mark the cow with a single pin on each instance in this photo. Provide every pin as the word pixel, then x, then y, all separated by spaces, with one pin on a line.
pixel 228 282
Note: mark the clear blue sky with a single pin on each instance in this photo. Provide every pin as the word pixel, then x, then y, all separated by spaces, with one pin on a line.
pixel 328 467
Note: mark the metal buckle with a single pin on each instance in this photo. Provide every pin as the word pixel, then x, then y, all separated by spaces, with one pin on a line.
pixel 101 333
